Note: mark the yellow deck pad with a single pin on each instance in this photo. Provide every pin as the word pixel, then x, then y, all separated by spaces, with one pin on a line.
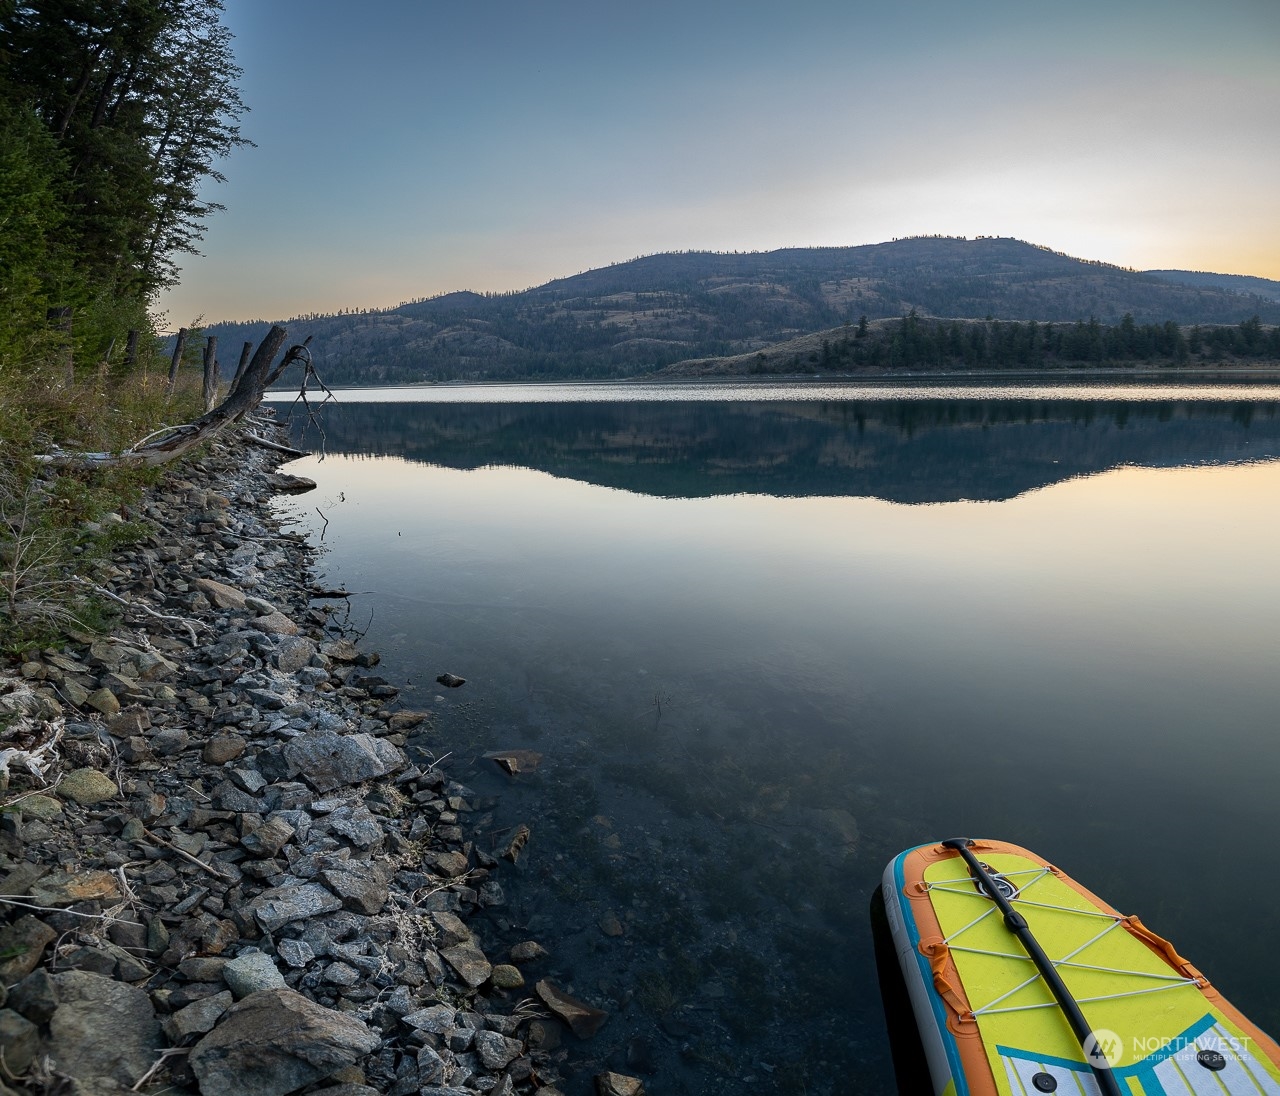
pixel 1139 1005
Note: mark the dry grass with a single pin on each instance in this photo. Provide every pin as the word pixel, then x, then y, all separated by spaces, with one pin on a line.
pixel 43 512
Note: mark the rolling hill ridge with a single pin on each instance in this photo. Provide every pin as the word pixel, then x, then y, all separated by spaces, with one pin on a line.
pixel 656 311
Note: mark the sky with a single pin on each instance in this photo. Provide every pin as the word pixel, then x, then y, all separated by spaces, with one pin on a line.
pixel 406 148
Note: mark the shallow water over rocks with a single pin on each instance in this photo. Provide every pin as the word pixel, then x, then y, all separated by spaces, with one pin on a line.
pixel 762 645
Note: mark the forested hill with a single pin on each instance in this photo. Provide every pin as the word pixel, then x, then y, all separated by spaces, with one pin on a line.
pixel 648 313
pixel 1234 283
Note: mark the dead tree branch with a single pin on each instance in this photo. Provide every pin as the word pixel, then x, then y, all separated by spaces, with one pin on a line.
pixel 245 394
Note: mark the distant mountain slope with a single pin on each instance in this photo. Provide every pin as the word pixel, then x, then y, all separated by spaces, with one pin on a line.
pixel 650 312
pixel 1232 283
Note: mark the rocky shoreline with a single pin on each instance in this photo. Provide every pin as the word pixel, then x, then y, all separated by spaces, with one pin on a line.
pixel 231 864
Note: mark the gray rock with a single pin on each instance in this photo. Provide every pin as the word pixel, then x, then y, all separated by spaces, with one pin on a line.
pixel 170 742
pixel 198 1017
pixel 340 650
pixel 102 1029
pixel 450 929
pixel 87 787
pixel 497 1051
pixel 222 595
pixel 202 968
pixel 506 976
pixel 361 884
pixel 35 997
pixel 527 951
pixel 19 1038
pixel 618 1084
pixel 268 839
pixel 341 974
pixel 346 1090
pixel 328 761
pixel 226 746
pixel 266 700
pixel 153 666
pixel 104 700
pixel 251 972
pixel 297 953
pixel 293 653
pixel 436 1019
pixel 584 1019
pixel 23 942
pixel 312 675
pixel 470 963
pixel 275 1042
pixel 431 1067
pixel 42 807
pixel 276 624
pixel 230 798
pixel 358 826
pixel 280 905
pixel 248 779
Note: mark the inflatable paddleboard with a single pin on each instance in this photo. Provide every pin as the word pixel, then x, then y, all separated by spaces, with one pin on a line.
pixel 1024 982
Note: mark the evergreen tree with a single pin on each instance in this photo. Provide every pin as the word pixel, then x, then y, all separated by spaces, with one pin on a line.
pixel 139 97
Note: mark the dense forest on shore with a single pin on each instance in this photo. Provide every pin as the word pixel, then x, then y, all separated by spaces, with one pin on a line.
pixel 114 115
pixel 916 343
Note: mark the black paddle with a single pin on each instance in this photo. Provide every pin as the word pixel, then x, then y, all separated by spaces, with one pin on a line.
pixel 1017 924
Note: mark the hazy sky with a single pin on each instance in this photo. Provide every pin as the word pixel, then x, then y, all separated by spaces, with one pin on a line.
pixel 412 147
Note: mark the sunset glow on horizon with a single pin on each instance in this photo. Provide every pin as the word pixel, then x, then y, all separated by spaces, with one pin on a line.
pixel 413 149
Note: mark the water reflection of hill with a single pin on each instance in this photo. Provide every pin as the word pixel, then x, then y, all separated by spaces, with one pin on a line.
pixel 909 451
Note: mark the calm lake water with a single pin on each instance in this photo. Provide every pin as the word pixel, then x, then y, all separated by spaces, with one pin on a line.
pixel 767 636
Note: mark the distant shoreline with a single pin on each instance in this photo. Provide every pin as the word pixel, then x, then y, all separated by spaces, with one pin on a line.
pixel 1048 376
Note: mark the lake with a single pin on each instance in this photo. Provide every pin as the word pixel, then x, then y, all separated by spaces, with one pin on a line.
pixel 766 636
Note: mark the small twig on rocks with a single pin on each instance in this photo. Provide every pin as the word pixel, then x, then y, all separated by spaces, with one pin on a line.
pixel 419 896
pixel 165 1055
pixel 189 625
pixel 49 909
pixel 188 857
pixel 130 899
pixel 8 804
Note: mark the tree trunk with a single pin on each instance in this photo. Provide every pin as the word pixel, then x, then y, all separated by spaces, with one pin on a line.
pixel 131 349
pixel 210 373
pixel 244 363
pixel 177 357
pixel 170 443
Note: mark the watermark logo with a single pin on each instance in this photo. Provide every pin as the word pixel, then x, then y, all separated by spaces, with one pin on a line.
pixel 1103 1049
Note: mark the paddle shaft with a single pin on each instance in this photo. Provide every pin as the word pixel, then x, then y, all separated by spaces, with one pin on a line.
pixel 1017 924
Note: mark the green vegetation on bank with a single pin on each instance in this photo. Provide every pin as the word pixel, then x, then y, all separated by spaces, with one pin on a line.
pixel 914 342
pixel 113 114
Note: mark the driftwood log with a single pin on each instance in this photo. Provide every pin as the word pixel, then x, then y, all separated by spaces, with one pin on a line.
pixel 172 441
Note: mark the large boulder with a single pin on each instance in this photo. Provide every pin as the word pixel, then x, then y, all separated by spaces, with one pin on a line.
pixel 273 1043
pixel 102 1030
pixel 327 761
